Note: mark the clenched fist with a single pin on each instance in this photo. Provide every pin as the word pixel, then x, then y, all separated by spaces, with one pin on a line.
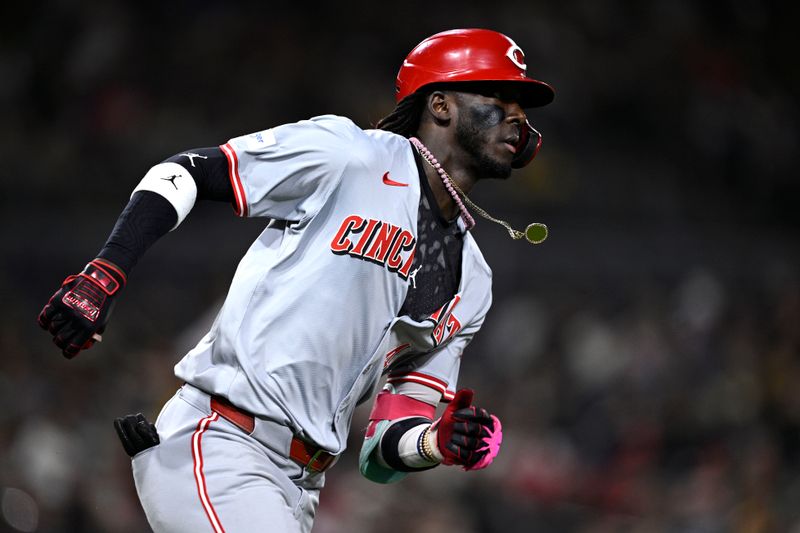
pixel 78 312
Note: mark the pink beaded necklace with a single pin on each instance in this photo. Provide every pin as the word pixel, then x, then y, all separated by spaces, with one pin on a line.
pixel 535 232
pixel 469 222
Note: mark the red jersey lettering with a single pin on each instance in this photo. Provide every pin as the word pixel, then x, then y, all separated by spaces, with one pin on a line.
pixel 366 237
pixel 382 242
pixel 403 243
pixel 377 241
pixel 340 243
pixel 447 324
pixel 403 272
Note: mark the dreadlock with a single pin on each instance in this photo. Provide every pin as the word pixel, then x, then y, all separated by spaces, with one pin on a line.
pixel 404 120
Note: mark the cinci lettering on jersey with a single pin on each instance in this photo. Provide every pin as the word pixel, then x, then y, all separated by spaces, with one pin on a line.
pixel 376 241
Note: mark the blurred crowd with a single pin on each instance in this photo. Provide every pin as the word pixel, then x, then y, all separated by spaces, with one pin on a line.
pixel 642 360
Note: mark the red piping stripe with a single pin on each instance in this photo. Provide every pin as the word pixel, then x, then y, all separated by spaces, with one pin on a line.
pixel 236 181
pixel 424 379
pixel 436 380
pixel 199 477
pixel 440 390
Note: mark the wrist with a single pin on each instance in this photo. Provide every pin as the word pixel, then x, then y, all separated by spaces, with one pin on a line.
pixel 427 447
pixel 123 257
pixel 398 448
pixel 105 274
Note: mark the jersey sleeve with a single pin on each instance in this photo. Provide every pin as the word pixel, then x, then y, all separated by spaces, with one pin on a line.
pixel 440 370
pixel 288 172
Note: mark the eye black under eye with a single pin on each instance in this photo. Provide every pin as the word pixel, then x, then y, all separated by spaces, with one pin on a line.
pixel 487 115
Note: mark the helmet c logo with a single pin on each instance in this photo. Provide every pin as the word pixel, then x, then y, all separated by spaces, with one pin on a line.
pixel 516 56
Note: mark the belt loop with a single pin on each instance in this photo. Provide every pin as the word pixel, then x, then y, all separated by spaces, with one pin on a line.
pixel 324 463
pixel 311 457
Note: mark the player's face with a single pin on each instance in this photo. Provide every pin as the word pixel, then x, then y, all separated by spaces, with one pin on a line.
pixel 488 129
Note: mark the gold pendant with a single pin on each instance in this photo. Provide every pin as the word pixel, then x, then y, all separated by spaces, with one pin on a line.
pixel 536 233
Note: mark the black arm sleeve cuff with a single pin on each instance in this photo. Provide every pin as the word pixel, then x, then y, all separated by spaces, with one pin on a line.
pixel 209 168
pixel 391 440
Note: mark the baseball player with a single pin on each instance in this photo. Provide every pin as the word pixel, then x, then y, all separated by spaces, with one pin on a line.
pixel 365 269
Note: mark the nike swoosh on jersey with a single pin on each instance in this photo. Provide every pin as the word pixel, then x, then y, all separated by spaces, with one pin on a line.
pixel 388 181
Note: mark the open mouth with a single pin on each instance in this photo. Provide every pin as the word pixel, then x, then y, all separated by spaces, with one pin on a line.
pixel 511 143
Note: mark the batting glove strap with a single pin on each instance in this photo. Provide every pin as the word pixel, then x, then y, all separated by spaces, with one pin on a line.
pixel 105 275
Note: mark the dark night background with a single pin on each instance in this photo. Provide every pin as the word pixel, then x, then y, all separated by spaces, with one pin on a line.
pixel 643 360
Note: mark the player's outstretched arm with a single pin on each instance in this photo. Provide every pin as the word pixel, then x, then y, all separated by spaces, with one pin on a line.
pixel 402 438
pixel 76 315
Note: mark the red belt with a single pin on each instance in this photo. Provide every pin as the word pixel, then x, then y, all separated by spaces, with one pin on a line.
pixel 305 454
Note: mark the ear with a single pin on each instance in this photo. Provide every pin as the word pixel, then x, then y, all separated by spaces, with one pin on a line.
pixel 440 107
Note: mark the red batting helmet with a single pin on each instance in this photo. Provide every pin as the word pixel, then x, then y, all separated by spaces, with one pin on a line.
pixel 471 55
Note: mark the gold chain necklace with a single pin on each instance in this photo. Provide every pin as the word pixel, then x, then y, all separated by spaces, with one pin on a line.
pixel 535 233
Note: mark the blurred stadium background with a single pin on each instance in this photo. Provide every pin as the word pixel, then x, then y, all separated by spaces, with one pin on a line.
pixel 643 359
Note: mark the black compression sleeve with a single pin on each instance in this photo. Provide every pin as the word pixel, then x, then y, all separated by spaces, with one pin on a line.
pixel 149 216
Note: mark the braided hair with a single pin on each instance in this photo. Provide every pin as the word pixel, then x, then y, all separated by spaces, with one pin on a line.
pixel 404 120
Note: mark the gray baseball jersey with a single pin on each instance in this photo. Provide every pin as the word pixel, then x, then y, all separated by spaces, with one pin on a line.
pixel 311 318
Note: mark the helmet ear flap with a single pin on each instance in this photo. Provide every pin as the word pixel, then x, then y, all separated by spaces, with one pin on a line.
pixel 530 141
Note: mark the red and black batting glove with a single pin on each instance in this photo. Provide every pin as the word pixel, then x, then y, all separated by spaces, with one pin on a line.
pixel 467 435
pixel 77 313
